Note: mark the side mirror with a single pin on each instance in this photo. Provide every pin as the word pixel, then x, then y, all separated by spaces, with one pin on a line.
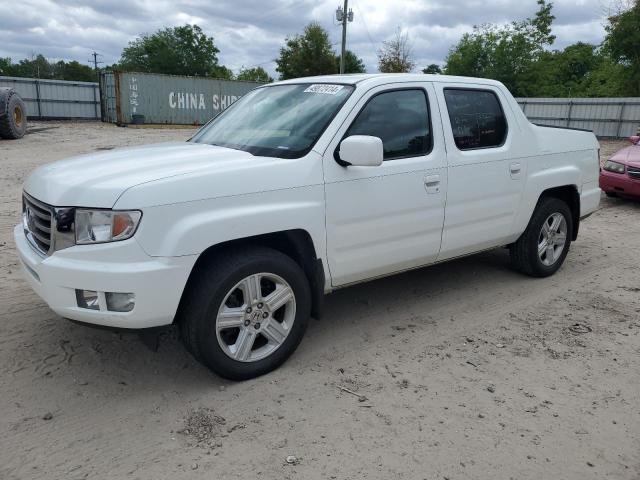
pixel 634 139
pixel 361 151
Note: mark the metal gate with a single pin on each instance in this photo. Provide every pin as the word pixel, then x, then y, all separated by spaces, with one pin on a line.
pixel 56 99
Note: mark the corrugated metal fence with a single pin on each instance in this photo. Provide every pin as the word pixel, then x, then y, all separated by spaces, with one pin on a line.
pixel 56 99
pixel 606 117
pixel 154 98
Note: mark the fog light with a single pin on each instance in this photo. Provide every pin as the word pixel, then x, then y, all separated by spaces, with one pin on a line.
pixel 87 299
pixel 120 302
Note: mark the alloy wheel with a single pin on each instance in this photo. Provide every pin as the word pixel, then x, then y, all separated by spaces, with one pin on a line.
pixel 552 239
pixel 256 317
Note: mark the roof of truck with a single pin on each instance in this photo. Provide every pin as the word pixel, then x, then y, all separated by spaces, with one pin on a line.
pixel 384 78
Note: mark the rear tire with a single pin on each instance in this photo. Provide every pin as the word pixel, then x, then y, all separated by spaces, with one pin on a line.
pixel 610 194
pixel 231 319
pixel 542 248
pixel 13 115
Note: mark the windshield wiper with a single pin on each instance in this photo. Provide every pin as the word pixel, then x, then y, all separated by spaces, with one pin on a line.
pixel 232 147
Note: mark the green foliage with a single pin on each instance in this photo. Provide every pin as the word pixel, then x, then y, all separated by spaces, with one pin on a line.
pixel 433 69
pixel 5 65
pixel 622 43
pixel 311 54
pixel 306 54
pixel 40 67
pixel 580 70
pixel 352 63
pixel 75 71
pixel 256 74
pixel 608 79
pixel 503 53
pixel 395 54
pixel 222 72
pixel 518 56
pixel 184 50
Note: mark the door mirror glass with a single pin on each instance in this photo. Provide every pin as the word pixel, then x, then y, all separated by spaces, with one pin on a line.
pixel 362 151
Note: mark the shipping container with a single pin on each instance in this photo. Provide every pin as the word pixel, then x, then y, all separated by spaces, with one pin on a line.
pixel 153 98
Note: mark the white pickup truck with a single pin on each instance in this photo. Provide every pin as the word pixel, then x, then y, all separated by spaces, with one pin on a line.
pixel 299 188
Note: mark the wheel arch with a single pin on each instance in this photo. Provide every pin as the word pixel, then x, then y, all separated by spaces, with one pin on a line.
pixel 296 244
pixel 570 195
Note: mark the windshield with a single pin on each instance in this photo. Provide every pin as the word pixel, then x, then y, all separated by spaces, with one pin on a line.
pixel 280 121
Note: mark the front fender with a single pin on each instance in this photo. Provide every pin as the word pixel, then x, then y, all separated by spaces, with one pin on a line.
pixel 189 228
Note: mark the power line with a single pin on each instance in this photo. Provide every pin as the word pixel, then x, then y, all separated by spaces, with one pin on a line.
pixel 366 28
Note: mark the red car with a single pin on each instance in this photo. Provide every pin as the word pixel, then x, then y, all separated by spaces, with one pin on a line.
pixel 620 175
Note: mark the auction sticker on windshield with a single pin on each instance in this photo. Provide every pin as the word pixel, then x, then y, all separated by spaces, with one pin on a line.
pixel 323 88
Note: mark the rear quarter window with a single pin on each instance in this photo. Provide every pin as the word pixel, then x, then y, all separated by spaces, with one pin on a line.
pixel 476 116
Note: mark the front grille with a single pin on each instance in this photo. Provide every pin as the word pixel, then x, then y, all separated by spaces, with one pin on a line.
pixel 634 172
pixel 36 219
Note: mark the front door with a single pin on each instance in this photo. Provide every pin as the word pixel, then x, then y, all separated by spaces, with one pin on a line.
pixel 387 218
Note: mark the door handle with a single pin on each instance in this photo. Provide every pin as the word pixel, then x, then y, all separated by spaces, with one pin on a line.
pixel 432 183
pixel 515 169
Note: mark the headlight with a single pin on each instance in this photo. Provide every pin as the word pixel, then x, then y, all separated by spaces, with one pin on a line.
pixel 614 167
pixel 98 226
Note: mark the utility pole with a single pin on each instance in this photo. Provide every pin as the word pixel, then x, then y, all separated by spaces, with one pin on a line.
pixel 344 16
pixel 97 98
pixel 95 61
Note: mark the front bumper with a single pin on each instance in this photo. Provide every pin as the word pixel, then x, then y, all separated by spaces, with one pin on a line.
pixel 620 184
pixel 156 282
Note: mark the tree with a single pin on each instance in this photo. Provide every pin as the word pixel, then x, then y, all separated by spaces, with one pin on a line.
pixel 395 54
pixel 74 71
pixel 433 69
pixel 182 50
pixel 609 79
pixel 222 72
pixel 256 74
pixel 39 67
pixel 576 71
pixel 518 55
pixel 622 43
pixel 503 53
pixel 311 54
pixel 470 57
pixel 6 67
pixel 307 54
pixel 352 63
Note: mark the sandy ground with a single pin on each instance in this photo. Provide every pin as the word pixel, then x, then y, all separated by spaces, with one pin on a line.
pixel 468 370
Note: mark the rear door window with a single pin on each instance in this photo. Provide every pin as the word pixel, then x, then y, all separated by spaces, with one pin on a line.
pixel 401 119
pixel 476 116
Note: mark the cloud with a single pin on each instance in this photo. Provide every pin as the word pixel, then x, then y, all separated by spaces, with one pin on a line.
pixel 250 33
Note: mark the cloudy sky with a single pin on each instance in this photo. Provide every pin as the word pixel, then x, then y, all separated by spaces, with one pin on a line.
pixel 250 32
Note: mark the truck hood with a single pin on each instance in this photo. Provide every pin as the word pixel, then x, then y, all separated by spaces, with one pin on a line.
pixel 97 180
pixel 628 155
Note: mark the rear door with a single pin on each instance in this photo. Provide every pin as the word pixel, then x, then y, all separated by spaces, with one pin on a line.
pixel 485 182
pixel 387 218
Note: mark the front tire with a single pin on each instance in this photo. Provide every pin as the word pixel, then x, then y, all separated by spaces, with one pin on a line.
pixel 541 249
pixel 245 312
